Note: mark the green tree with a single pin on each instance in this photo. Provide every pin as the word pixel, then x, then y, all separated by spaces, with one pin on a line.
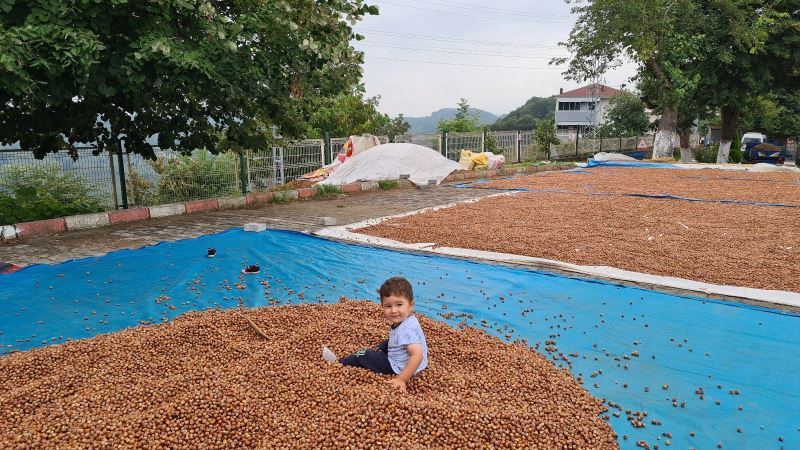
pixel 396 127
pixel 194 72
pixel 659 36
pixel 776 114
pixel 625 116
pixel 463 122
pixel 348 114
pixel 545 134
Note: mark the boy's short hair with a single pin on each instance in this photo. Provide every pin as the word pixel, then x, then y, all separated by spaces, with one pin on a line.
pixel 396 286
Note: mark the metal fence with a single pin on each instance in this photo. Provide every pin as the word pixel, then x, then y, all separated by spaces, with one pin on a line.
pixel 174 177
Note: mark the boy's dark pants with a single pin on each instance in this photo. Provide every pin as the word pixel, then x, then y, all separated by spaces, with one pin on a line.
pixel 376 361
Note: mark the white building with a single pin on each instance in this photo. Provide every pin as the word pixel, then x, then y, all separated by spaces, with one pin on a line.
pixel 580 110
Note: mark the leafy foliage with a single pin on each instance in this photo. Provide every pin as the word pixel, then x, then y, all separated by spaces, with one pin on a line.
pixel 625 116
pixel 43 192
pixel 347 114
pixel 327 191
pixel 545 134
pixel 524 117
pixel 463 122
pixel 194 72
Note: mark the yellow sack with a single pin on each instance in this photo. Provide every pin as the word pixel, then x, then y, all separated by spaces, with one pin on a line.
pixel 480 167
pixel 466 160
pixel 480 159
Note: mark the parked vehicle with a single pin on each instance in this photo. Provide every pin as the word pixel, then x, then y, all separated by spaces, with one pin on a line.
pixel 756 148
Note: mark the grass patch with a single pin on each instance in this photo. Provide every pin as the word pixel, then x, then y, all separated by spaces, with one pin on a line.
pixel 327 191
pixel 387 184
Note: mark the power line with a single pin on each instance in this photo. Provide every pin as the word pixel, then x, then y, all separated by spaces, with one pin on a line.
pixel 457 51
pixel 458 40
pixel 466 65
pixel 543 20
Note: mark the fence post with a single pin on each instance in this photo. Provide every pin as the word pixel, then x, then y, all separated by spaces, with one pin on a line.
pixel 391 138
pixel 326 138
pixel 483 140
pixel 577 139
pixel 122 187
pixel 443 144
pixel 113 179
pixel 243 171
pixel 620 143
pixel 601 144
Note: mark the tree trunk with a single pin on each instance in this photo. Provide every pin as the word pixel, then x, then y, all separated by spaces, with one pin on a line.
pixel 686 151
pixel 730 119
pixel 664 143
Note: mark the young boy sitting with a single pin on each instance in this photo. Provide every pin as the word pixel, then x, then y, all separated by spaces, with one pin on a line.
pixel 405 353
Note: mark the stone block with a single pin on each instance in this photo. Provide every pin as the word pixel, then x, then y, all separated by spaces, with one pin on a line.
pixel 258 197
pixel 201 205
pixel 284 196
pixel 40 227
pixel 86 221
pixel 232 202
pixel 327 221
pixel 404 176
pixel 350 188
pixel 255 227
pixel 305 193
pixel 170 209
pixel 128 215
pixel 8 232
pixel 369 185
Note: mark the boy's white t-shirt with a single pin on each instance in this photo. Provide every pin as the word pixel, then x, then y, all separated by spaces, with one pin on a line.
pixel 408 332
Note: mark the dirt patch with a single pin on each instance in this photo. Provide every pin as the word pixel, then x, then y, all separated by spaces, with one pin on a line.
pixel 783 188
pixel 739 245
pixel 207 380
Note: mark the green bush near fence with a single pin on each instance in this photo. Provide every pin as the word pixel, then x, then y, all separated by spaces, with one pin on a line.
pixel 43 192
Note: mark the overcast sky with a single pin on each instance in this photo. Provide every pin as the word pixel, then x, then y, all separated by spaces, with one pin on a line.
pixel 422 55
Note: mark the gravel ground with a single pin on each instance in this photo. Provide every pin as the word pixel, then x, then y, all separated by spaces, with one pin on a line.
pixel 740 245
pixel 709 184
pixel 207 380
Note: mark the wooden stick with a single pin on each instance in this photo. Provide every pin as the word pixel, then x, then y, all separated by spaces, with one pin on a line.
pixel 253 325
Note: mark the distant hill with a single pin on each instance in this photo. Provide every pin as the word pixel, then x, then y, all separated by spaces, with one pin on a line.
pixel 523 117
pixel 428 124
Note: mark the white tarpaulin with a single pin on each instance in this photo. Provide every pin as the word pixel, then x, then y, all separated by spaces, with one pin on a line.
pixel 389 161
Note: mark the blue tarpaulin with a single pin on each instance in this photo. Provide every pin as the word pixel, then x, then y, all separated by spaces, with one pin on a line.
pixel 683 342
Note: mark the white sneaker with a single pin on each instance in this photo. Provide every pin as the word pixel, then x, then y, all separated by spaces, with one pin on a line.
pixel 328 355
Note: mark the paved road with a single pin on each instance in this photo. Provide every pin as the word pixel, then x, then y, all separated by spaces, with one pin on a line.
pixel 300 216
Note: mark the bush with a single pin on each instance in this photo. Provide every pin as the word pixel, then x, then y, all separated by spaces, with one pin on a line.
pixel 327 190
pixel 43 192
pixel 706 153
pixel 199 176
pixel 387 184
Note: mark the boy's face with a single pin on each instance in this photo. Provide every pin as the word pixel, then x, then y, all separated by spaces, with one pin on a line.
pixel 396 308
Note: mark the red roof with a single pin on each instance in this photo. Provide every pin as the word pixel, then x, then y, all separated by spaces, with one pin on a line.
pixel 603 91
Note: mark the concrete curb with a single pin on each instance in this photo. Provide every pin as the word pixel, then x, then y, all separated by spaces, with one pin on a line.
pixel 232 202
pixel 306 193
pixel 38 227
pixel 172 209
pixel 8 232
pixel 197 206
pixel 369 185
pixel 128 215
pixel 89 221
pixel 284 196
pixel 256 198
pixel 86 221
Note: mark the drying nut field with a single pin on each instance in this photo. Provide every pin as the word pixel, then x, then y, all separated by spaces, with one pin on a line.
pixel 208 377
pixel 714 226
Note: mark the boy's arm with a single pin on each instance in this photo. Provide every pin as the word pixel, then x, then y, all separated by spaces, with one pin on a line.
pixel 414 360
